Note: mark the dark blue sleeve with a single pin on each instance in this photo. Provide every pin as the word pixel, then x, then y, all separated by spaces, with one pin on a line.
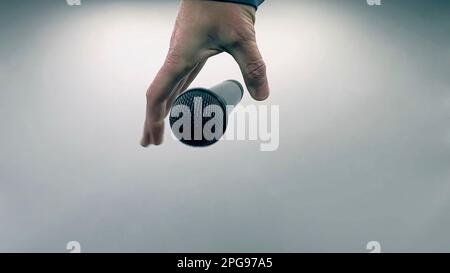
pixel 254 3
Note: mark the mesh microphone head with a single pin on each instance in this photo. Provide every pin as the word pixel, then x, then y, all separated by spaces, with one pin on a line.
pixel 197 101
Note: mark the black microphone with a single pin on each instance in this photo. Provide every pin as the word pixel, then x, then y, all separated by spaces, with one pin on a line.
pixel 199 116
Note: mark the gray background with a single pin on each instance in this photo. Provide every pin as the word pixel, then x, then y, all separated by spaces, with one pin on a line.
pixel 364 153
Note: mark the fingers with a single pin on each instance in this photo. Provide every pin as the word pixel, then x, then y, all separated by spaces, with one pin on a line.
pixel 253 68
pixel 191 77
pixel 184 84
pixel 154 126
pixel 168 77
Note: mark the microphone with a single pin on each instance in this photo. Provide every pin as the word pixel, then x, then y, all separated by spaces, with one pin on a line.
pixel 199 116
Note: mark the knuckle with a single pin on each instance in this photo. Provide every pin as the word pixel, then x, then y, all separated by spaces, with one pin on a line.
pixel 177 63
pixel 256 71
pixel 155 98
pixel 240 36
pixel 174 56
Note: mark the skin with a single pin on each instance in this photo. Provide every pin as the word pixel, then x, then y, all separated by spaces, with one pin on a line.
pixel 203 29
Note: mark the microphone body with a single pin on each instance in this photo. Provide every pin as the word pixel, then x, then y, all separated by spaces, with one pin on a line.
pixel 198 116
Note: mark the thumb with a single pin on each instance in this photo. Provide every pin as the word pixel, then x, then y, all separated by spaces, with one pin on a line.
pixel 253 69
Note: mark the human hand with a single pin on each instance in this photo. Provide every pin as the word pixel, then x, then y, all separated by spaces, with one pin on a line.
pixel 203 29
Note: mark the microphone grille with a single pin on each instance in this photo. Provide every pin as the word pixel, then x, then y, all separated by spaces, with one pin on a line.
pixel 189 99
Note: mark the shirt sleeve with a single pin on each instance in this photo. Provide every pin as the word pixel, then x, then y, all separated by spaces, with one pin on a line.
pixel 254 3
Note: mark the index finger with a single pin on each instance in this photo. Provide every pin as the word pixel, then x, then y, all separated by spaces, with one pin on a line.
pixel 171 73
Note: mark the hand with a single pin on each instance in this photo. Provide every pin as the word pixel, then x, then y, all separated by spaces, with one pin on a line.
pixel 203 29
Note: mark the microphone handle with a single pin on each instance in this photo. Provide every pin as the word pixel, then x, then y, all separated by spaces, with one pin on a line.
pixel 230 91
